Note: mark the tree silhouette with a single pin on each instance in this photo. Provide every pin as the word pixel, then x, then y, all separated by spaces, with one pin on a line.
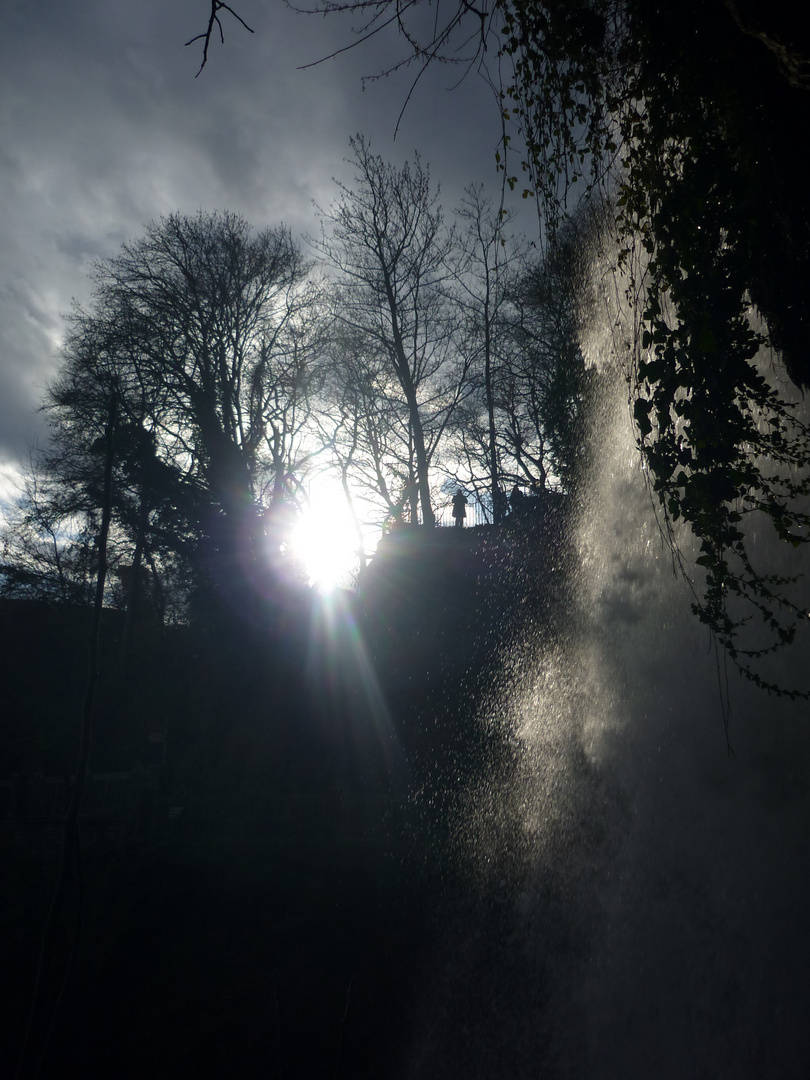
pixel 202 333
pixel 386 239
pixel 685 117
pixel 485 268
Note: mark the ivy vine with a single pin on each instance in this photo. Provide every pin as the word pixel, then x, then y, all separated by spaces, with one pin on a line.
pixel 618 96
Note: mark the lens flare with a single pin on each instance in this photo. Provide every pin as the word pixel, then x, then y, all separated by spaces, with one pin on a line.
pixel 325 538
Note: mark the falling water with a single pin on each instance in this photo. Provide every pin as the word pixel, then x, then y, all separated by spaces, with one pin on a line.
pixel 639 899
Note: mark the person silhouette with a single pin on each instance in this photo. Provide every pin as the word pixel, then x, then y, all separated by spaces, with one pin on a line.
pixel 517 500
pixel 459 509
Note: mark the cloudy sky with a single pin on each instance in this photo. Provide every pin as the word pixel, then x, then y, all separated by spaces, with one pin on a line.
pixel 104 127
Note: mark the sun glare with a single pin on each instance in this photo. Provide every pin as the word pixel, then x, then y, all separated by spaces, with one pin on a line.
pixel 324 538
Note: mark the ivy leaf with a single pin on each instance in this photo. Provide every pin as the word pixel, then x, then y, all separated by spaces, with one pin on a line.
pixel 641 414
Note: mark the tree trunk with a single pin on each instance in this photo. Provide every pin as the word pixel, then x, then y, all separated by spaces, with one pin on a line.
pixel 403 372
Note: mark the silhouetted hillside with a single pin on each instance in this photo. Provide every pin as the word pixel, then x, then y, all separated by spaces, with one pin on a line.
pixel 263 895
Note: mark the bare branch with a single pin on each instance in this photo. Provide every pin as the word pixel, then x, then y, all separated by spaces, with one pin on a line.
pixel 214 20
pixel 440 48
pixel 368 31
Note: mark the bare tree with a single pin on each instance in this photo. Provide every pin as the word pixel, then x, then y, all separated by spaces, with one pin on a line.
pixel 285 385
pixel 39 559
pixel 211 310
pixel 361 424
pixel 387 241
pixel 486 266
pixel 201 332
pixel 524 421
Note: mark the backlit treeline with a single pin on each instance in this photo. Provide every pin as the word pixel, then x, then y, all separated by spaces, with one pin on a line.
pixel 401 353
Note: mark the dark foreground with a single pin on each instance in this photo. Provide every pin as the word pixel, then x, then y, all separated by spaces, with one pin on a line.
pixel 280 888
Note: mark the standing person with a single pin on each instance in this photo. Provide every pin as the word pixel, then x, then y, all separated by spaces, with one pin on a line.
pixel 459 509
pixel 517 500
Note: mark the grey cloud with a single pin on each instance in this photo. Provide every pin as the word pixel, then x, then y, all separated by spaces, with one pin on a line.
pixel 103 128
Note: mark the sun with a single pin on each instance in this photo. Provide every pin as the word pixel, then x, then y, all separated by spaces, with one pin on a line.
pixel 324 539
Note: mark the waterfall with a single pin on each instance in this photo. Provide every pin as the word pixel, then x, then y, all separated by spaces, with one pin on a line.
pixel 638 899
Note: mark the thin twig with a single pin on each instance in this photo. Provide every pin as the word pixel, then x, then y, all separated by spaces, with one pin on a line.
pixel 213 20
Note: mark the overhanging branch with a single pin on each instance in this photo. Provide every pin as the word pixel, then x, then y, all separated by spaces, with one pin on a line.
pixel 214 20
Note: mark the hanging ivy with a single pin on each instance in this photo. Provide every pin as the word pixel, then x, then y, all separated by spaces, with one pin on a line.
pixel 619 95
pixel 686 117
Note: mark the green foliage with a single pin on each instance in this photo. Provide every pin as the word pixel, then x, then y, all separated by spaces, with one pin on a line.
pixel 658 104
pixel 562 68
pixel 721 445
